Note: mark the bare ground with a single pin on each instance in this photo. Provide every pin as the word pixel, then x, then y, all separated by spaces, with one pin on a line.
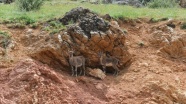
pixel 152 77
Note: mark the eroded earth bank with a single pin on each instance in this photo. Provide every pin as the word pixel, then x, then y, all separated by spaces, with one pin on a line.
pixel 34 64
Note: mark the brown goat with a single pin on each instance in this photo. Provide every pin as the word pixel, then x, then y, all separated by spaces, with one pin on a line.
pixel 106 61
pixel 76 61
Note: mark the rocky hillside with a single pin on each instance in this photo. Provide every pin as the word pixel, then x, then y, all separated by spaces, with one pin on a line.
pixel 34 65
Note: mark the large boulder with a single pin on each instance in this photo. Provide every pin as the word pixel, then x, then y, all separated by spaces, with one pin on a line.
pixel 87 35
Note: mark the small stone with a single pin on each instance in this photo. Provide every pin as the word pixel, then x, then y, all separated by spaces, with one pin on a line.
pixel 144 64
pixel 98 73
pixel 136 70
pixel 29 31
pixel 99 86
pixel 2 51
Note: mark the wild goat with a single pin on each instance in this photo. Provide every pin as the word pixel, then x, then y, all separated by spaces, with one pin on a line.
pixel 106 61
pixel 76 61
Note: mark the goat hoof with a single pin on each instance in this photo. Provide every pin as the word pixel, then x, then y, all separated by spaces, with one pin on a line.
pixel 116 74
pixel 72 74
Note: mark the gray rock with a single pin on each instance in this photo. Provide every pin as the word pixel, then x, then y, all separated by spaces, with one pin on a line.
pixel 88 21
pixel 135 3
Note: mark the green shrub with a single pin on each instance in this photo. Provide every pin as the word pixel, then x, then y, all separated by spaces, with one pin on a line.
pixel 162 4
pixel 34 25
pixel 16 25
pixel 29 5
pixel 141 44
pixel 4 39
pixel 53 26
pixel 183 25
pixel 54 31
pixel 26 20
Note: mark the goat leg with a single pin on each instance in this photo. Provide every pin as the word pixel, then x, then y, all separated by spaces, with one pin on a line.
pixel 104 67
pixel 116 73
pixel 116 70
pixel 84 70
pixel 76 71
pixel 72 70
pixel 80 71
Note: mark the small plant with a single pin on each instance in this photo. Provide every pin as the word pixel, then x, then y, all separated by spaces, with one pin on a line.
pixel 125 31
pixel 4 39
pixel 162 4
pixel 121 17
pixel 141 44
pixel 16 25
pixel 34 25
pixel 19 22
pixel 6 21
pixel 23 19
pixel 183 26
pixel 54 27
pixel 54 32
pixel 46 28
pixel 54 24
pixel 29 5
pixel 153 20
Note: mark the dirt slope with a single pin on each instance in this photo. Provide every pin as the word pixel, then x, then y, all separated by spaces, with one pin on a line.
pixel 152 78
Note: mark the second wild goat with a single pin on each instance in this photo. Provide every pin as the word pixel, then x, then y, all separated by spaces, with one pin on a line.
pixel 106 61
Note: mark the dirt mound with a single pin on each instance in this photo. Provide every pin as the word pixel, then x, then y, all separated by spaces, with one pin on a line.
pixel 169 41
pixel 88 35
pixel 163 93
pixel 32 82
